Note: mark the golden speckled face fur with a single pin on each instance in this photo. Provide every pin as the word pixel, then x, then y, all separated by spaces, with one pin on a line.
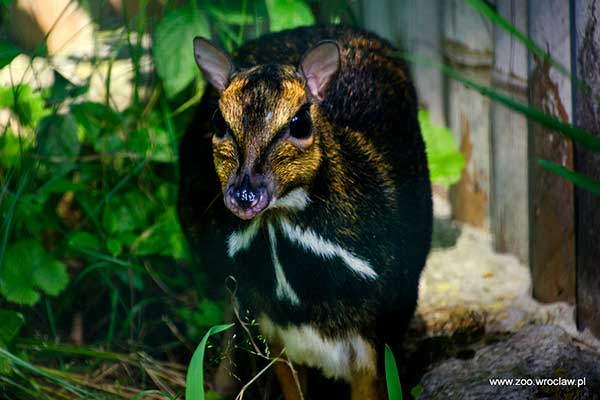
pixel 258 106
pixel 267 127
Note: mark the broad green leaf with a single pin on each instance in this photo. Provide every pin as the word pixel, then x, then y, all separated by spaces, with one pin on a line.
pixel 127 212
pixel 173 47
pixel 163 238
pixel 287 14
pixel 28 267
pixel 208 313
pixel 58 141
pixel 27 103
pixel 584 182
pixel 152 143
pixel 8 52
pixel 114 246
pixel 95 117
pixel 62 89
pixel 12 322
pixel 13 148
pixel 194 381
pixel 445 160
pixel 392 378
pixel 84 241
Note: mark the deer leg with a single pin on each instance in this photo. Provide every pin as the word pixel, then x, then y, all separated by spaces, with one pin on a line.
pixel 290 380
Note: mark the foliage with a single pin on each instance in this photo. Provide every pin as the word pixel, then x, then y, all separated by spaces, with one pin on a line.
pixel 88 207
pixel 392 378
pixel 445 161
pixel 194 388
pixel 286 14
pixel 172 48
pixel 8 52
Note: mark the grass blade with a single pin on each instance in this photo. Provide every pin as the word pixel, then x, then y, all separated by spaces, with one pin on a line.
pixel 392 378
pixel 18 362
pixel 194 381
pixel 578 179
pixel 581 136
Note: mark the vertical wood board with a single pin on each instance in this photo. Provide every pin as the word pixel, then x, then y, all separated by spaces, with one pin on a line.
pixel 509 203
pixel 586 65
pixel 552 243
pixel 468 47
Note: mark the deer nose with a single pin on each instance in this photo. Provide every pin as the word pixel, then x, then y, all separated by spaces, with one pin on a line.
pixel 245 195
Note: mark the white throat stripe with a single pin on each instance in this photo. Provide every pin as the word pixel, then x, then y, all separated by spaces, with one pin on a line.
pixel 283 290
pixel 241 240
pixel 311 241
pixel 296 199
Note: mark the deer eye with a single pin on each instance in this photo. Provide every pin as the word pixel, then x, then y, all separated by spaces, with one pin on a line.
pixel 219 124
pixel 300 124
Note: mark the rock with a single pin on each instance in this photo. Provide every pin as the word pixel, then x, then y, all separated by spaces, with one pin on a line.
pixel 533 353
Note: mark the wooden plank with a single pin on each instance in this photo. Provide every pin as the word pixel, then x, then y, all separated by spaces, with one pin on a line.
pixel 587 116
pixel 402 24
pixel 468 47
pixel 552 243
pixel 509 203
pixel 409 18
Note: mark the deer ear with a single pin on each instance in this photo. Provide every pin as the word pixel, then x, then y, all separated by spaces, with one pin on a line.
pixel 214 63
pixel 319 67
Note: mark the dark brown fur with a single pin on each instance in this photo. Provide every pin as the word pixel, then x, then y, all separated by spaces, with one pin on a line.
pixel 365 172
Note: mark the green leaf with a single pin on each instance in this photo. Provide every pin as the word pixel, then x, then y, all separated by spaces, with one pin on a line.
pixel 391 376
pixel 58 141
pixel 578 179
pixel 445 161
pixel 12 322
pixel 194 381
pixel 84 241
pixel 8 52
pixel 173 49
pixel 287 14
pixel 28 267
pixel 163 238
pixel 95 117
pixel 207 314
pixel 27 103
pixel 114 246
pixel 127 213
pixel 152 143
pixel 13 148
pixel 63 89
pixel 416 392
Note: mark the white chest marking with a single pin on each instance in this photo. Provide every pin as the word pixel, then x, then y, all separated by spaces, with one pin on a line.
pixel 296 199
pixel 337 358
pixel 241 240
pixel 311 241
pixel 283 289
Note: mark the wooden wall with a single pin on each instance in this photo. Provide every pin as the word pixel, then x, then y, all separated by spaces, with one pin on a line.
pixel 530 212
